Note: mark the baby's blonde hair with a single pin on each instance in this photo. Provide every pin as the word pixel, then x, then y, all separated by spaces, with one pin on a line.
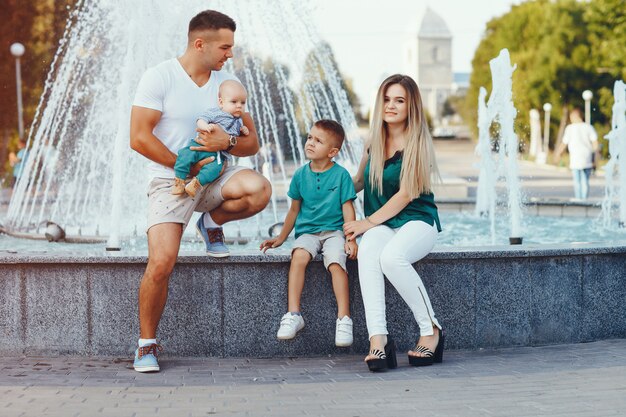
pixel 231 83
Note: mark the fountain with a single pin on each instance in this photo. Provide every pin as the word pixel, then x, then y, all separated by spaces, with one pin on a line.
pixel 486 190
pixel 617 151
pixel 85 180
pixel 499 109
pixel 98 184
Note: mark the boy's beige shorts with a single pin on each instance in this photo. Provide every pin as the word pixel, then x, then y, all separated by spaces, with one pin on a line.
pixel 331 244
pixel 163 207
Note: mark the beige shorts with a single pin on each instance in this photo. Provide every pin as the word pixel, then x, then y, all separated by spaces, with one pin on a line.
pixel 163 207
pixel 331 244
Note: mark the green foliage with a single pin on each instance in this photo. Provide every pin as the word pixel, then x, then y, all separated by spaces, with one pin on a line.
pixel 606 25
pixel 38 25
pixel 561 48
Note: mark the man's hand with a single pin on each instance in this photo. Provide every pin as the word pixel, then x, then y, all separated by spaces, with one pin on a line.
pixel 351 249
pixel 211 141
pixel 270 244
pixel 195 169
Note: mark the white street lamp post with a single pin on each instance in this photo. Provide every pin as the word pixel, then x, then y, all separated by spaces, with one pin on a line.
pixel 587 96
pixel 547 108
pixel 17 50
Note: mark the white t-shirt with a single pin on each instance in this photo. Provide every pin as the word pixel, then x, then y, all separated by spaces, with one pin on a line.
pixel 169 89
pixel 579 138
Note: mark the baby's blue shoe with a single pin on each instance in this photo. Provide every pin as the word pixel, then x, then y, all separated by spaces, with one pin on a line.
pixel 146 358
pixel 213 238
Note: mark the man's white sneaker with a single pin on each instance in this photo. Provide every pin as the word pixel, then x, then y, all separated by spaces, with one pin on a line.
pixel 290 324
pixel 343 332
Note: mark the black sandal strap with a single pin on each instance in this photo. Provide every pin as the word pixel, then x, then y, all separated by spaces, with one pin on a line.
pixel 421 349
pixel 378 353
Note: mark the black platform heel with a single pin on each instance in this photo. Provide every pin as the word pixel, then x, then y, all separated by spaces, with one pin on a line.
pixel 430 356
pixel 384 360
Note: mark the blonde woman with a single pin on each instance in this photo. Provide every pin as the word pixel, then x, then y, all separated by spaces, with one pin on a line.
pixel 401 224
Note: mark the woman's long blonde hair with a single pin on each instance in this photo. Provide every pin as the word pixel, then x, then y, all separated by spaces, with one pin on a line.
pixel 419 166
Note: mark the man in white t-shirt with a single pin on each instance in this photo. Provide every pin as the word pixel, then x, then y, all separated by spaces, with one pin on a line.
pixel 581 141
pixel 169 99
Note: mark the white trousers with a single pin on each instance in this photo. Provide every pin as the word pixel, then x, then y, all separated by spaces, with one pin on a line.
pixel 384 251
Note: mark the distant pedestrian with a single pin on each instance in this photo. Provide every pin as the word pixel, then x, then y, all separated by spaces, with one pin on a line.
pixel 581 141
pixel 17 160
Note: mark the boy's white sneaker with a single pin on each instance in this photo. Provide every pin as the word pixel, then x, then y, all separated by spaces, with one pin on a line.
pixel 343 332
pixel 290 324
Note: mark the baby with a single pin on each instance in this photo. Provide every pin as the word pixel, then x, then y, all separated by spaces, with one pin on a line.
pixel 232 101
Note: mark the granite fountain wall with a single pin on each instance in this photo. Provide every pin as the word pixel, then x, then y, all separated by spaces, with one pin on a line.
pixel 497 297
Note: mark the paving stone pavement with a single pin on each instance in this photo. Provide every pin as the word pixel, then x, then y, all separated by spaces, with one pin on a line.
pixel 456 158
pixel 566 380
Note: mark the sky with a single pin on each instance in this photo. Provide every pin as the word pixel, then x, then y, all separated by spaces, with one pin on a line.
pixel 367 36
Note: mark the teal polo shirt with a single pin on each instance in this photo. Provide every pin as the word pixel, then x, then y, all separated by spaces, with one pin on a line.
pixel 322 194
pixel 422 208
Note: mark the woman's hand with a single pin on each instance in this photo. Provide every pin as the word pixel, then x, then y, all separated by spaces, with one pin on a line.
pixel 356 228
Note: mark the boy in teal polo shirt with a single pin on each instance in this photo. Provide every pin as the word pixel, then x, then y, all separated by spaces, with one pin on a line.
pixel 322 196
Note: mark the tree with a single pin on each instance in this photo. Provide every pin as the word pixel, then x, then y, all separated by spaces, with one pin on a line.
pixel 558 47
pixel 606 25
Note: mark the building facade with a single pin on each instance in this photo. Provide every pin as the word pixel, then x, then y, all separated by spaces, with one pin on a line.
pixel 428 59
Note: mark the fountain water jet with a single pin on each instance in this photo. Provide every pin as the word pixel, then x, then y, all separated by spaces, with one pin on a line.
pixel 499 109
pixel 617 151
pixel 99 184
pixel 485 193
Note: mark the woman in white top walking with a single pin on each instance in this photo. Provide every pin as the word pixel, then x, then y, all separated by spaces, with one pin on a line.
pixel 581 141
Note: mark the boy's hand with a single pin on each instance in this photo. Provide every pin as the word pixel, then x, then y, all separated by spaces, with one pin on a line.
pixel 351 249
pixel 245 131
pixel 270 244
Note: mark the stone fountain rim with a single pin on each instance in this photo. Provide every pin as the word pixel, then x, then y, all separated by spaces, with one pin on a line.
pixel 195 257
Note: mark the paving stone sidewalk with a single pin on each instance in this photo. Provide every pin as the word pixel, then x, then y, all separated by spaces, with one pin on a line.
pixel 457 158
pixel 567 380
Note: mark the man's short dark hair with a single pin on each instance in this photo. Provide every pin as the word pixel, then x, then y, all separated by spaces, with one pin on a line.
pixel 211 20
pixel 334 129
